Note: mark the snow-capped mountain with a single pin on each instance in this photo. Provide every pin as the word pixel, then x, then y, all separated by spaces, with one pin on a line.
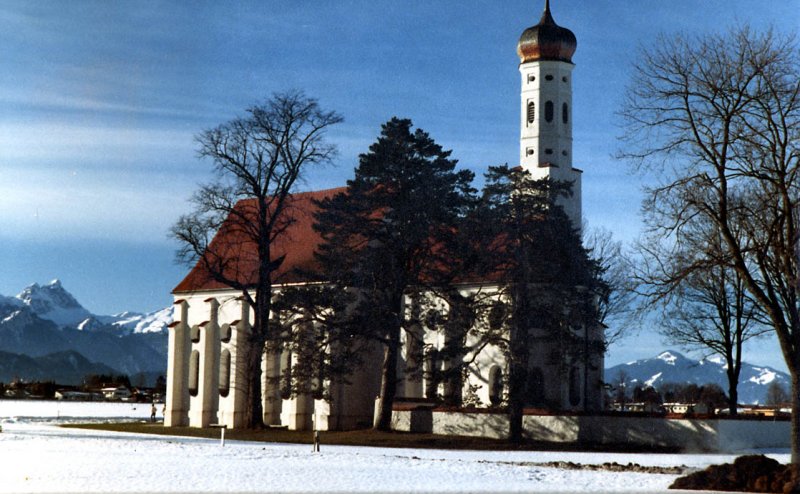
pixel 54 303
pixel 47 319
pixel 136 323
pixel 671 366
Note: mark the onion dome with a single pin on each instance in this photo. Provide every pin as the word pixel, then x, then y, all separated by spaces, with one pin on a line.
pixel 546 41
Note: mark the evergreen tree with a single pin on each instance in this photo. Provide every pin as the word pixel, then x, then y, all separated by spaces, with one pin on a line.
pixel 386 236
pixel 548 281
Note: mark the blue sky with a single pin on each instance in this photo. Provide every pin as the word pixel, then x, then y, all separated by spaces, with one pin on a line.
pixel 100 102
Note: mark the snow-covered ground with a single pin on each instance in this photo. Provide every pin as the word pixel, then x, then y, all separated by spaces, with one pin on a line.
pixel 38 456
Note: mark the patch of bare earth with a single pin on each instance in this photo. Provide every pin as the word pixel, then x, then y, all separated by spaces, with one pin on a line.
pixel 607 467
pixel 753 473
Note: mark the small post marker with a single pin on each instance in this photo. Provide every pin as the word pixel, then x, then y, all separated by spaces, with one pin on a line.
pixel 315 445
pixel 221 428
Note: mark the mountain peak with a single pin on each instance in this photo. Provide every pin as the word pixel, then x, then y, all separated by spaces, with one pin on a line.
pixel 670 357
pixel 53 302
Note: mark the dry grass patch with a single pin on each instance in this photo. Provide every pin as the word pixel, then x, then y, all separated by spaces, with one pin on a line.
pixel 363 437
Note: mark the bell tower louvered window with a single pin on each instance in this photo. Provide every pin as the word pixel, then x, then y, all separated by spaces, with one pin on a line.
pixel 531 112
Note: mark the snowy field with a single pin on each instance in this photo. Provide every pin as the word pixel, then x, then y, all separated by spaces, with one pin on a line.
pixel 38 456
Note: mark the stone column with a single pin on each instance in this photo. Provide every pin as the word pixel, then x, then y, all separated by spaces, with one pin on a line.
pixel 179 348
pixel 208 387
pixel 236 402
pixel 271 387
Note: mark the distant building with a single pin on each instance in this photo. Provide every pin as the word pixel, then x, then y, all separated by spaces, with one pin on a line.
pixel 70 395
pixel 205 383
pixel 116 393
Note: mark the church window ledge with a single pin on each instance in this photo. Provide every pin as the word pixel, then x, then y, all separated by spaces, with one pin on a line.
pixel 194 334
pixel 225 333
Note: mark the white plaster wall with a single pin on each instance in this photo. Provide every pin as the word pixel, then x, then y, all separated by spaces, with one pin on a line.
pixel 735 435
pixel 691 435
pixel 491 425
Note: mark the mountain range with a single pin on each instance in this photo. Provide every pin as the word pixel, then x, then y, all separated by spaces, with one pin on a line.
pixel 45 333
pixel 673 367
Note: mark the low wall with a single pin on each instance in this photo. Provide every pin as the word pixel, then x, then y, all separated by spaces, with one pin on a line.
pixel 688 434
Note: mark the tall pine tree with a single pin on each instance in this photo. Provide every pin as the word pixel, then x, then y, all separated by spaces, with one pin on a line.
pixel 384 236
pixel 547 280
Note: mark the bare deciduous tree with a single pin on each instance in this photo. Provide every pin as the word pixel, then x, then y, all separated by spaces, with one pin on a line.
pixel 616 304
pixel 717 118
pixel 258 160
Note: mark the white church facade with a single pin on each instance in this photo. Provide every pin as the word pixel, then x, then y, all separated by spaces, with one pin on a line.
pixel 204 378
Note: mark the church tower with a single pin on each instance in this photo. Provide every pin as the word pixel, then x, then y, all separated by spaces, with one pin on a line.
pixel 545 51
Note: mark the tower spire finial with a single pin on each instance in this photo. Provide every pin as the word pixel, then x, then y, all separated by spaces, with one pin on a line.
pixel 547 5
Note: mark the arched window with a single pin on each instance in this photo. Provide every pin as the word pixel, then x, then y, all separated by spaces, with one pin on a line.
pixel 574 386
pixel 564 113
pixel 496 385
pixel 535 387
pixel 531 111
pixel 194 372
pixel 548 111
pixel 497 316
pixel 194 334
pixel 548 77
pixel 224 373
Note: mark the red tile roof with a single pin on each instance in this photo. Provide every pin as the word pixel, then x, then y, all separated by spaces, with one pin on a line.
pixel 298 244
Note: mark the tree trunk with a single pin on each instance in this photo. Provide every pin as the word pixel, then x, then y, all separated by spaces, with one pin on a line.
pixel 516 403
pixel 255 409
pixel 795 416
pixel 383 422
pixel 518 368
pixel 733 392
pixel 257 340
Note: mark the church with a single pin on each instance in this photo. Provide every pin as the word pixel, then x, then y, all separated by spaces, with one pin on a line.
pixel 204 378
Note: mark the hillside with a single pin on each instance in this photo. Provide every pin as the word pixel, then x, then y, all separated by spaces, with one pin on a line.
pixel 45 320
pixel 68 367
